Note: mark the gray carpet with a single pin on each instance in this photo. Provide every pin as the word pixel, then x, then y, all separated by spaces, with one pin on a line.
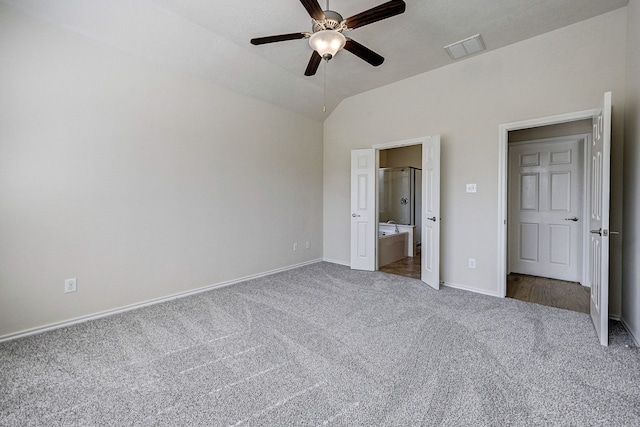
pixel 323 345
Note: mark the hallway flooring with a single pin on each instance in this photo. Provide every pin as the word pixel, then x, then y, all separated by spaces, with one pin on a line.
pixel 551 292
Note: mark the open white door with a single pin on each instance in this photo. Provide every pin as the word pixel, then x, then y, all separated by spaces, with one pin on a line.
pixel 431 212
pixel 363 209
pixel 599 179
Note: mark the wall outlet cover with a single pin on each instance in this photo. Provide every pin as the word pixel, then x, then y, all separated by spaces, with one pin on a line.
pixel 472 188
pixel 70 285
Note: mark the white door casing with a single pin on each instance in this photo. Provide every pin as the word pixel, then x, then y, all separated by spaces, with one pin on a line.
pixel 545 208
pixel 599 178
pixel 363 209
pixel 430 257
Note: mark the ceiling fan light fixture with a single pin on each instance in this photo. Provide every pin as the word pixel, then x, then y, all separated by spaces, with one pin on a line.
pixel 327 43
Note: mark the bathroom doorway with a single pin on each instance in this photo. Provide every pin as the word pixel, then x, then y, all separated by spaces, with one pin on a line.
pixel 400 211
pixel 365 164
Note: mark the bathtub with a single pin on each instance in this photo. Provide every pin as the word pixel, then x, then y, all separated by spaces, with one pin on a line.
pixel 392 247
pixel 386 228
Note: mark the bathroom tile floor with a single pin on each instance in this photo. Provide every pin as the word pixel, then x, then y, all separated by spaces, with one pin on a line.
pixel 407 267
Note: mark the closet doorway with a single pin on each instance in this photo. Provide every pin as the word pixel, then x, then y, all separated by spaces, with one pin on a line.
pixel 547 214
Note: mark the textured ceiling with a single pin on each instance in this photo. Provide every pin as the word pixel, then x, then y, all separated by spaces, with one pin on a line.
pixel 210 38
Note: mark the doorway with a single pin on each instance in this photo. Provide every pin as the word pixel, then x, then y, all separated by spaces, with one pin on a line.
pixel 546 206
pixel 547 213
pixel 596 231
pixel 400 210
pixel 364 207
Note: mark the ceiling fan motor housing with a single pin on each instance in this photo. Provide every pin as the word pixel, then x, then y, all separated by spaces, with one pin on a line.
pixel 332 21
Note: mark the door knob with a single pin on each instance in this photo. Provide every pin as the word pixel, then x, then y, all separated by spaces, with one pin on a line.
pixel 355 215
pixel 433 218
pixel 597 231
pixel 571 219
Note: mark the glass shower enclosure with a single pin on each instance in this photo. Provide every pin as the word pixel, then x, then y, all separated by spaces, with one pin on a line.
pixel 400 196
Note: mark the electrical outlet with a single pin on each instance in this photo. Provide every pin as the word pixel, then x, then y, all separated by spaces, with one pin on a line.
pixel 472 188
pixel 70 285
pixel 307 245
pixel 472 263
pixel 295 247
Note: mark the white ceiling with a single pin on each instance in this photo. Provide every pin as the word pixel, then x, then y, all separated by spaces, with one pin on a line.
pixel 210 38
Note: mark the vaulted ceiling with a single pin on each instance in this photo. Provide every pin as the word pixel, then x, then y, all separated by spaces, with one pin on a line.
pixel 210 39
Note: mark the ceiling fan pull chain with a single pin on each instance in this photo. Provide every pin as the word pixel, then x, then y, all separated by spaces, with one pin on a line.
pixel 324 99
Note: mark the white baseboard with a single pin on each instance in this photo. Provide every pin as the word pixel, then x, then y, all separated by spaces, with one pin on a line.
pixel 333 261
pixel 470 289
pixel 633 337
pixel 81 319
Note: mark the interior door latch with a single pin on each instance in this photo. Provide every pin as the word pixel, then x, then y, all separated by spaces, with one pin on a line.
pixel 605 232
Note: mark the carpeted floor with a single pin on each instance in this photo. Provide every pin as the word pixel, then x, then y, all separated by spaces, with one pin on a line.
pixel 324 345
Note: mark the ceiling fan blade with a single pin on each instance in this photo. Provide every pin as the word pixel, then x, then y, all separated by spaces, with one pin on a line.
pixel 314 9
pixel 278 38
pixel 363 52
pixel 378 13
pixel 313 65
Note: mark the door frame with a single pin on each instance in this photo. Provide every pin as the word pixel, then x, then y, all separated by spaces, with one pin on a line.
pixel 503 181
pixel 398 144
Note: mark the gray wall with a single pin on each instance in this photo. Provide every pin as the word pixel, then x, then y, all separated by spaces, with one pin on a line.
pixel 139 181
pixel 631 229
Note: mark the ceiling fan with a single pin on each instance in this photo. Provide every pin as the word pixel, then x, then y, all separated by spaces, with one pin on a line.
pixel 327 36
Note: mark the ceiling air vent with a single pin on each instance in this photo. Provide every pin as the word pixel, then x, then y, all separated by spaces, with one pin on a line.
pixel 468 46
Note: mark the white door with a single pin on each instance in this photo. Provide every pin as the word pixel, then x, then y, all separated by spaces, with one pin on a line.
pixel 545 208
pixel 599 178
pixel 363 210
pixel 430 258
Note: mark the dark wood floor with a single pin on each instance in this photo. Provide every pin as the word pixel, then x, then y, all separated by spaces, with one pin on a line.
pixel 538 290
pixel 551 292
pixel 407 267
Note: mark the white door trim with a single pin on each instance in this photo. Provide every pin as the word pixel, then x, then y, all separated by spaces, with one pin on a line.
pixel 405 143
pixel 503 169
